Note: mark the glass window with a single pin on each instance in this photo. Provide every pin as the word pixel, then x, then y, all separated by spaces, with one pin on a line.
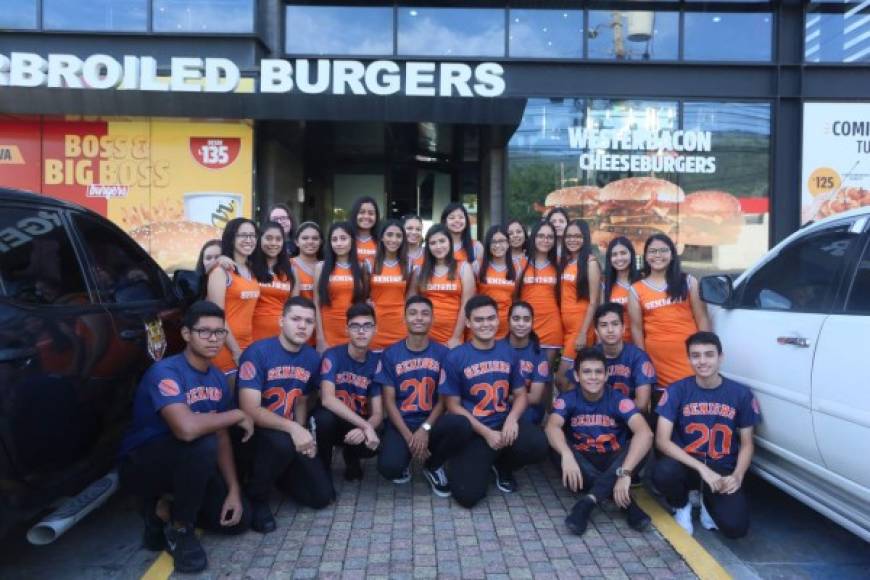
pixel 203 16
pixel 122 270
pixel 451 31
pixel 859 295
pixel 37 262
pixel 20 14
pixel 115 15
pixel 546 33
pixel 840 34
pixel 727 36
pixel 633 35
pixel 339 30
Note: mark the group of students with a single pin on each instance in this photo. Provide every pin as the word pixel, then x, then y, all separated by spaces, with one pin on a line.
pixel 460 384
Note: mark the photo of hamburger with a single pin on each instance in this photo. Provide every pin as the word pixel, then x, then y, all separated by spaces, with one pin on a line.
pixel 835 202
pixel 174 244
pixel 638 207
pixel 710 218
pixel 578 202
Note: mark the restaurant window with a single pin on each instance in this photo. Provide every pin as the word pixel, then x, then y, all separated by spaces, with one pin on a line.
pixel 18 14
pixel 95 15
pixel 837 32
pixel 727 36
pixel 350 30
pixel 451 31
pixel 633 35
pixel 203 16
pixel 546 33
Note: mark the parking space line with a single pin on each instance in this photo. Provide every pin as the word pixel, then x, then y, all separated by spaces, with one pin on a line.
pixel 699 560
pixel 161 569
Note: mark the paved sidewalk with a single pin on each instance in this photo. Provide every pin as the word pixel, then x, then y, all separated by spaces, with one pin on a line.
pixel 378 529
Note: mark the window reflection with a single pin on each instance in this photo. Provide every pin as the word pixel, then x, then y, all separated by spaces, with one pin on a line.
pixel 203 16
pixel 20 14
pixel 451 31
pixel 633 35
pixel 839 36
pixel 339 30
pixel 727 36
pixel 115 15
pixel 546 33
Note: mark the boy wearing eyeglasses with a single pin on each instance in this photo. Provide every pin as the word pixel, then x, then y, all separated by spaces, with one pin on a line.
pixel 178 445
pixel 351 410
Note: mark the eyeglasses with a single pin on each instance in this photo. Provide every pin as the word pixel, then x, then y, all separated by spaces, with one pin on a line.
pixel 499 242
pixel 247 236
pixel 573 236
pixel 365 327
pixel 209 333
pixel 658 251
pixel 281 219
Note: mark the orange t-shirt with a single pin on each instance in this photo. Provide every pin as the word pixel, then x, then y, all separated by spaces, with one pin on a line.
pixel 446 297
pixel 417 261
pixel 460 254
pixel 520 263
pixel 619 294
pixel 573 311
pixel 539 290
pixel 496 285
pixel 366 250
pixel 388 296
pixel 239 304
pixel 334 315
pixel 666 326
pixel 304 278
pixel 269 307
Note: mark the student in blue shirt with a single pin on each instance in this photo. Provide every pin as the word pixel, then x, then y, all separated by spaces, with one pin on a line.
pixel 629 369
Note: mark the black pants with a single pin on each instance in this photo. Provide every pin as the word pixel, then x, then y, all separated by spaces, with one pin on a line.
pixel 447 434
pixel 189 472
pixel 469 470
pixel 330 431
pixel 599 471
pixel 275 459
pixel 675 480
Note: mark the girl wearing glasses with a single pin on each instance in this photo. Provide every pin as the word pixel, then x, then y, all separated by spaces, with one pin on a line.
pixel 620 272
pixel 364 218
pixel 272 269
pixel 665 309
pixel 455 219
pixel 498 278
pixel 389 284
pixel 236 291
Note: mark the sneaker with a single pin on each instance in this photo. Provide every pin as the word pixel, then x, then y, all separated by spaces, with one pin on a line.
pixel 406 477
pixel 437 479
pixel 683 516
pixel 695 498
pixel 262 519
pixel 638 520
pixel 706 519
pixel 153 539
pixel 578 519
pixel 353 470
pixel 185 549
pixel 504 480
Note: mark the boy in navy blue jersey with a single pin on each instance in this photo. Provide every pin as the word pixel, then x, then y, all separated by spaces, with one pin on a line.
pixel 351 410
pixel 599 460
pixel 629 370
pixel 534 366
pixel 408 377
pixel 277 377
pixel 477 381
pixel 705 434
pixel 178 444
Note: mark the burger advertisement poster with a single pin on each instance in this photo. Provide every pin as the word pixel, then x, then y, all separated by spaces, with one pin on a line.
pixel 698 172
pixel 170 184
pixel 836 159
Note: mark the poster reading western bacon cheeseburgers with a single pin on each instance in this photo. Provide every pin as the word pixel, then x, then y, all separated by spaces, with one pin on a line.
pixel 698 172
pixel 836 159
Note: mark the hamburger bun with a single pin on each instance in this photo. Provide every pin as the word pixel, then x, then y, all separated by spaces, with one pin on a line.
pixel 710 218
pixel 578 201
pixel 642 189
pixel 174 245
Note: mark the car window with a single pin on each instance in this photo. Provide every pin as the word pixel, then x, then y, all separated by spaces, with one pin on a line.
pixel 122 270
pixel 858 301
pixel 38 264
pixel 803 277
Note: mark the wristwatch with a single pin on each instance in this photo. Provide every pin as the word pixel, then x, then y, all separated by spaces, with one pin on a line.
pixel 622 472
pixel 426 427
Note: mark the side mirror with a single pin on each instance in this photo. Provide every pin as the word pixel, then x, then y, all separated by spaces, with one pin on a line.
pixel 187 285
pixel 717 290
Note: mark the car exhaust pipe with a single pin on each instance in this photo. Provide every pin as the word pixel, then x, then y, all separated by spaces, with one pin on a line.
pixel 73 510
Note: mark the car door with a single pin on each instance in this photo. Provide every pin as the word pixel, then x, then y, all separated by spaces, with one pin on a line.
pixel 771 333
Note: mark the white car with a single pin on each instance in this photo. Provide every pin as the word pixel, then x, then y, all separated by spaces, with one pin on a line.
pixel 796 329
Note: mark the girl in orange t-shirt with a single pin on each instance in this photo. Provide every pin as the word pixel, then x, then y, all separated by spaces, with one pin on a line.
pixel 447 284
pixel 272 269
pixel 518 239
pixel 236 291
pixel 339 281
pixel 580 279
pixel 364 218
pixel 455 219
pixel 309 241
pixel 620 272
pixel 413 226
pixel 498 278
pixel 389 285
pixel 665 309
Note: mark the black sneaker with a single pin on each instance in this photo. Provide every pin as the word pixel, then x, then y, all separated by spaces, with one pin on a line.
pixel 185 549
pixel 578 519
pixel 504 480
pixel 153 538
pixel 637 519
pixel 262 519
pixel 353 470
pixel 437 479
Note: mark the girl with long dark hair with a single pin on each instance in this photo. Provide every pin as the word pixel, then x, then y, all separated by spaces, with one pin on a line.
pixel 534 367
pixel 413 226
pixel 455 219
pixel 620 272
pixel 271 267
pixel 208 259
pixel 497 277
pixel 364 219
pixel 559 219
pixel 309 239
pixel 389 285
pixel 518 239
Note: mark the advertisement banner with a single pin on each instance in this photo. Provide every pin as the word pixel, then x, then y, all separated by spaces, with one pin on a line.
pixel 836 159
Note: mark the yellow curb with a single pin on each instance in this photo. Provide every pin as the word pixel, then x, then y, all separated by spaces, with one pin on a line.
pixel 699 560
pixel 160 569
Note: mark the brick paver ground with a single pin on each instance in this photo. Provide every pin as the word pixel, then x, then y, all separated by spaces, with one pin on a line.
pixel 380 530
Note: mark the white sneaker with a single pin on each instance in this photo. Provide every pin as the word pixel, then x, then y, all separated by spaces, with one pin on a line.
pixel 683 517
pixel 706 519
pixel 406 477
pixel 695 498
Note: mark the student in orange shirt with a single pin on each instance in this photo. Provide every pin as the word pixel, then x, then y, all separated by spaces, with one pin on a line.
pixel 339 281
pixel 364 219
pixel 580 279
pixel 518 238
pixel 497 278
pixel 413 226
pixel 665 309
pixel 271 267
pixel 389 285
pixel 455 219
pixel 447 283
pixel 620 272
pixel 309 241
pixel 236 291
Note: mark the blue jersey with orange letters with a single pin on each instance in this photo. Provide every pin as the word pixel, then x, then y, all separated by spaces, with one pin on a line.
pixel 631 368
pixel 414 376
pixel 483 380
pixel 173 380
pixel 281 376
pixel 707 422
pixel 596 426
pixel 353 380
pixel 534 368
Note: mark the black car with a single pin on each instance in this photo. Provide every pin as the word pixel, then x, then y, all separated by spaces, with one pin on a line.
pixel 84 310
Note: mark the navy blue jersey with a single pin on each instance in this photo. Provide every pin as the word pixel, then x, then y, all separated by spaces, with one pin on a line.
pixel 173 380
pixel 281 376
pixel 353 380
pixel 483 380
pixel 707 421
pixel 534 368
pixel 631 368
pixel 414 376
pixel 596 426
